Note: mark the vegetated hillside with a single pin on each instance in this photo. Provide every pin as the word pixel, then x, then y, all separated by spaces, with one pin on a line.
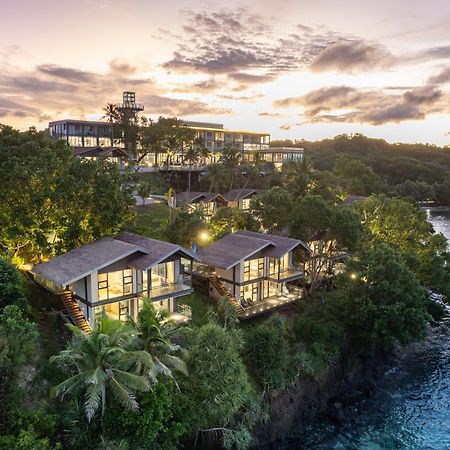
pixel 397 162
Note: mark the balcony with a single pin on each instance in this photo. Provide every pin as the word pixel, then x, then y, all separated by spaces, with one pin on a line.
pixel 270 304
pixel 182 286
pixel 291 274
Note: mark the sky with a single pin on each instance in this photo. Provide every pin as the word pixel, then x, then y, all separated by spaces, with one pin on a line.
pixel 295 68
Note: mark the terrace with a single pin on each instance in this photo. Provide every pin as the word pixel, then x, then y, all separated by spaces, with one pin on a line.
pixel 271 303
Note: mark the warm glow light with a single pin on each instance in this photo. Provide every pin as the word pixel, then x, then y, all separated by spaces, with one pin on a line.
pixel 353 276
pixel 204 236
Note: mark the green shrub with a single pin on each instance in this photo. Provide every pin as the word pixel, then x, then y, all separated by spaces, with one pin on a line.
pixel 267 352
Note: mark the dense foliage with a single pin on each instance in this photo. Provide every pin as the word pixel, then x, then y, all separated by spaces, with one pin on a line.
pixel 53 201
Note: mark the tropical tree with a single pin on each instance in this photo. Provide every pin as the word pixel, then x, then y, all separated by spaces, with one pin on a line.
pixel 196 153
pixel 329 229
pixel 103 363
pixel 53 201
pixel 272 208
pixel 297 176
pixel 216 177
pixel 226 408
pixel 111 114
pixel 404 226
pixel 381 300
pixel 144 190
pixel 231 158
pixel 155 332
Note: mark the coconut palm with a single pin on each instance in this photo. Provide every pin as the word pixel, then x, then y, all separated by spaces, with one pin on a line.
pixel 155 333
pixel 297 176
pixel 103 363
pixel 215 175
pixel 231 158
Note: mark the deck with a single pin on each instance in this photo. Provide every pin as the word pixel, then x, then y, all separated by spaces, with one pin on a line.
pixel 270 304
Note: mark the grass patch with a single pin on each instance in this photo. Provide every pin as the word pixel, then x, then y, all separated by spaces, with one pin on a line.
pixel 151 220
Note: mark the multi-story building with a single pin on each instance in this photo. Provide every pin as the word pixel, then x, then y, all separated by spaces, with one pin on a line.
pixel 254 270
pixel 84 133
pixel 112 275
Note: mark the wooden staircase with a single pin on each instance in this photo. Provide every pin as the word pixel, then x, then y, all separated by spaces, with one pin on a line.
pixel 224 292
pixel 75 312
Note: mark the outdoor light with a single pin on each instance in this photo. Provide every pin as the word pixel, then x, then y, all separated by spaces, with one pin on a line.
pixel 353 276
pixel 204 236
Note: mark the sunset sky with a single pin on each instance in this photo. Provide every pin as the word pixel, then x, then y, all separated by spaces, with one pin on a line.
pixel 295 68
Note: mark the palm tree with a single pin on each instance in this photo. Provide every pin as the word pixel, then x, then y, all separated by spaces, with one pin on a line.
pixel 215 176
pixel 155 333
pixel 103 363
pixel 297 176
pixel 192 157
pixel 231 158
pixel 111 114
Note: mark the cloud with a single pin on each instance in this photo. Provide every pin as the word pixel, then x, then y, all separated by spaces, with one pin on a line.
pixel 352 56
pixel 441 52
pixel 285 126
pixel 236 42
pixel 13 108
pixel 440 78
pixel 156 104
pixel 122 67
pixel 366 106
pixel 66 73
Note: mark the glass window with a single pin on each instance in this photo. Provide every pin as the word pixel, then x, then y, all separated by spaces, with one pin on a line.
pixel 253 269
pixel 102 286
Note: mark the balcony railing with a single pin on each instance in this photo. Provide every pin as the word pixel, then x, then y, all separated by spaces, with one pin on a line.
pixel 182 284
pixel 288 274
pixel 292 294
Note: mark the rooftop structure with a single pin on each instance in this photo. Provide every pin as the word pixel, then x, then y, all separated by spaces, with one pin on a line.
pixel 255 271
pixel 112 274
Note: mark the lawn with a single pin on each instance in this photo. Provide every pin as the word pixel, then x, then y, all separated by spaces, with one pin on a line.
pixel 150 220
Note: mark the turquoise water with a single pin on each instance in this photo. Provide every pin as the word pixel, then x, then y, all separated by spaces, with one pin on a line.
pixel 410 408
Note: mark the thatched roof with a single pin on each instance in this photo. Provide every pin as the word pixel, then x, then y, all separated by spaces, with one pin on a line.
pixel 78 263
pixel 239 246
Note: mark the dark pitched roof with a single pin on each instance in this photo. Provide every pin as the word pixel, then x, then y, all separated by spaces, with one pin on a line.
pixel 76 264
pixel 236 247
pixel 351 199
pixel 156 251
pixel 231 249
pixel 185 198
pixel 282 244
pixel 95 152
pixel 238 194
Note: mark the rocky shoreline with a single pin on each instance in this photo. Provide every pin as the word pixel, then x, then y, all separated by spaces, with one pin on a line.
pixel 295 410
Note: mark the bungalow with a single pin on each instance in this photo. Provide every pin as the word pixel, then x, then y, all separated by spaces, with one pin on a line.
pixel 240 198
pixel 112 275
pixel 114 155
pixel 204 201
pixel 256 271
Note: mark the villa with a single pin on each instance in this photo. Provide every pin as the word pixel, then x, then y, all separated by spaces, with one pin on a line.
pixel 112 275
pixel 240 198
pixel 257 272
pixel 207 202
pixel 115 155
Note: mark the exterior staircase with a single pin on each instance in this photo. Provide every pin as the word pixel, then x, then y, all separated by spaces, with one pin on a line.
pixel 75 312
pixel 224 292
